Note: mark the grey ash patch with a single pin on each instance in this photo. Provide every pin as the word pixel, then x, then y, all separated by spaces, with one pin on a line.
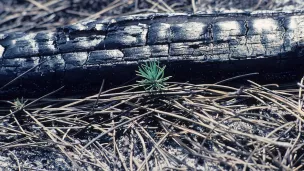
pixel 35 158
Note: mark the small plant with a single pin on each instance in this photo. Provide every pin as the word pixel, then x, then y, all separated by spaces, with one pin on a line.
pixel 153 76
pixel 18 103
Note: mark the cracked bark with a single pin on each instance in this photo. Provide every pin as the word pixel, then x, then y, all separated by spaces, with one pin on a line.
pixel 124 41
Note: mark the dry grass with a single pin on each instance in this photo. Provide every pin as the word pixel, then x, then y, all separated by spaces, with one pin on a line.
pixel 33 15
pixel 211 126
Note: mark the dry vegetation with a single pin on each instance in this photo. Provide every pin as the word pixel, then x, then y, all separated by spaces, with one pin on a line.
pixel 206 126
pixel 33 15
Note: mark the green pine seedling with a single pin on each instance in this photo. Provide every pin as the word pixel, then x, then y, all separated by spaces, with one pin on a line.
pixel 19 103
pixel 153 76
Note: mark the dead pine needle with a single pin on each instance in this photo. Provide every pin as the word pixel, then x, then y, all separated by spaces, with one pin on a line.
pixel 127 128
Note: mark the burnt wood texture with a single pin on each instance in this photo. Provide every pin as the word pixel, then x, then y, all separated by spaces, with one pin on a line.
pixel 119 42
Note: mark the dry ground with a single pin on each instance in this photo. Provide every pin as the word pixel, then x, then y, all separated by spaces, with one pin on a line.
pixel 187 127
pixel 31 15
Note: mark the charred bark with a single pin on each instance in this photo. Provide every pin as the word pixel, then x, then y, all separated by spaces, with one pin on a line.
pixel 105 47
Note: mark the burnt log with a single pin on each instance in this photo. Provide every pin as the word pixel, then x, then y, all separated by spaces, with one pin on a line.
pixel 193 45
